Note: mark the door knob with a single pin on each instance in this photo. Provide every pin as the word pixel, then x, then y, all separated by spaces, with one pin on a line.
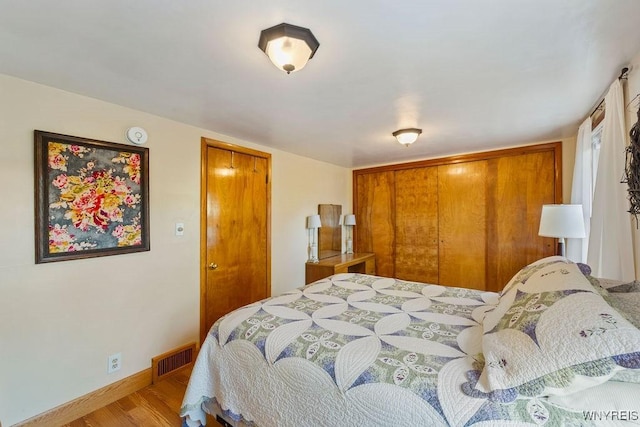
pixel 213 266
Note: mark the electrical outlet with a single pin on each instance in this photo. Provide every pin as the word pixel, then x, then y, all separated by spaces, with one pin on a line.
pixel 115 363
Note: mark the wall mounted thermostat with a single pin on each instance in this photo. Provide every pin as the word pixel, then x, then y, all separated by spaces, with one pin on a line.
pixel 137 135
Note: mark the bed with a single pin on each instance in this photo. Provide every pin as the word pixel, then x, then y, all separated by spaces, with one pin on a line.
pixel 555 347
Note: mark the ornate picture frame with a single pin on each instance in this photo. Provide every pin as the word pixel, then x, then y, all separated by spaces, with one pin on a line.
pixel 91 198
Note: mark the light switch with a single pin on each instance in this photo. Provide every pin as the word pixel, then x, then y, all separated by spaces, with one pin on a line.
pixel 179 228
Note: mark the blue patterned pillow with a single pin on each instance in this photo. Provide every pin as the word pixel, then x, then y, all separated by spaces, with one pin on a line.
pixel 552 333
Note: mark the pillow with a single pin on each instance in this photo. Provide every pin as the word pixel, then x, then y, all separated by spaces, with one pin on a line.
pixel 584 268
pixel 627 304
pixel 626 287
pixel 598 285
pixel 523 275
pixel 553 334
pixel 624 297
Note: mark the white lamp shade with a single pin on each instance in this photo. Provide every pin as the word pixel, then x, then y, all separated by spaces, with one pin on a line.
pixel 407 136
pixel 288 46
pixel 350 219
pixel 563 221
pixel 288 51
pixel 313 221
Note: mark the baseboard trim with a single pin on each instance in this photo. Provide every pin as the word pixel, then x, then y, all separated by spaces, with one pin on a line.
pixel 88 403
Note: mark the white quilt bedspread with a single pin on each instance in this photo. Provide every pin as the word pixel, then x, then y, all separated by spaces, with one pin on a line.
pixel 358 350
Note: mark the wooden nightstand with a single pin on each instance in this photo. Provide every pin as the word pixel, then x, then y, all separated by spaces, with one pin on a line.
pixel 345 263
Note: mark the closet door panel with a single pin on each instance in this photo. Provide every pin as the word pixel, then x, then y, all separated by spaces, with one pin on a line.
pixel 462 224
pixel 518 187
pixel 416 225
pixel 375 219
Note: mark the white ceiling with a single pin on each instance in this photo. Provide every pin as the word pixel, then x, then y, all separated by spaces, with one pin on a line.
pixel 473 74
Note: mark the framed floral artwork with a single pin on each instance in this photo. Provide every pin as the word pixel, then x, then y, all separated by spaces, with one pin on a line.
pixel 91 198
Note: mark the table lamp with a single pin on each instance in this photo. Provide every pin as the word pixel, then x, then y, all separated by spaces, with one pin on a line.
pixel 313 223
pixel 349 222
pixel 562 221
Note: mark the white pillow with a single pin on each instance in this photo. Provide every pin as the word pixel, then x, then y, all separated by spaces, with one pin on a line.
pixel 523 275
pixel 553 334
pixel 628 304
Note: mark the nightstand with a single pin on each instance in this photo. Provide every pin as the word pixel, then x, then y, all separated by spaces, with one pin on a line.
pixel 345 263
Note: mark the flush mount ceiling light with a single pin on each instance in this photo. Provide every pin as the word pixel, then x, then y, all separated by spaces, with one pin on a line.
pixel 289 47
pixel 407 136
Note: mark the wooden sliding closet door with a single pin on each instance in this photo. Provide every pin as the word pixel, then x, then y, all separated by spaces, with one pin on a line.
pixel 466 221
pixel 518 187
pixel 416 226
pixel 461 216
pixel 375 217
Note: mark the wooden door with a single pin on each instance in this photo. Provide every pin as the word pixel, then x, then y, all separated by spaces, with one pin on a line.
pixel 416 225
pixel 236 254
pixel 374 200
pixel 462 224
pixel 518 186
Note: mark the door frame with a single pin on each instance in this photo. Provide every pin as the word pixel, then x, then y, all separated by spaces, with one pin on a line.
pixel 212 143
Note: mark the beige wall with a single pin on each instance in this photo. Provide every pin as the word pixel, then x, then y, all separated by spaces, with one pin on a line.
pixel 632 88
pixel 60 321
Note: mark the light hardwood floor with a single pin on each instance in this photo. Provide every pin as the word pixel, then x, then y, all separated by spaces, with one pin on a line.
pixel 155 405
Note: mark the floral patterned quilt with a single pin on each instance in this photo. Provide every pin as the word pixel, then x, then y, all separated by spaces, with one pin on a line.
pixel 357 350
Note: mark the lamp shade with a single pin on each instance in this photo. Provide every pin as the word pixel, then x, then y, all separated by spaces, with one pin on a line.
pixel 563 221
pixel 407 136
pixel 313 221
pixel 350 219
pixel 288 46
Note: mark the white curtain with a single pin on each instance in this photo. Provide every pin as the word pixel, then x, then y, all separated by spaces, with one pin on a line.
pixel 582 189
pixel 610 251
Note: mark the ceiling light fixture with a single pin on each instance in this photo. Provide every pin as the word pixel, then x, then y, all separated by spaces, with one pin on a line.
pixel 289 47
pixel 407 136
